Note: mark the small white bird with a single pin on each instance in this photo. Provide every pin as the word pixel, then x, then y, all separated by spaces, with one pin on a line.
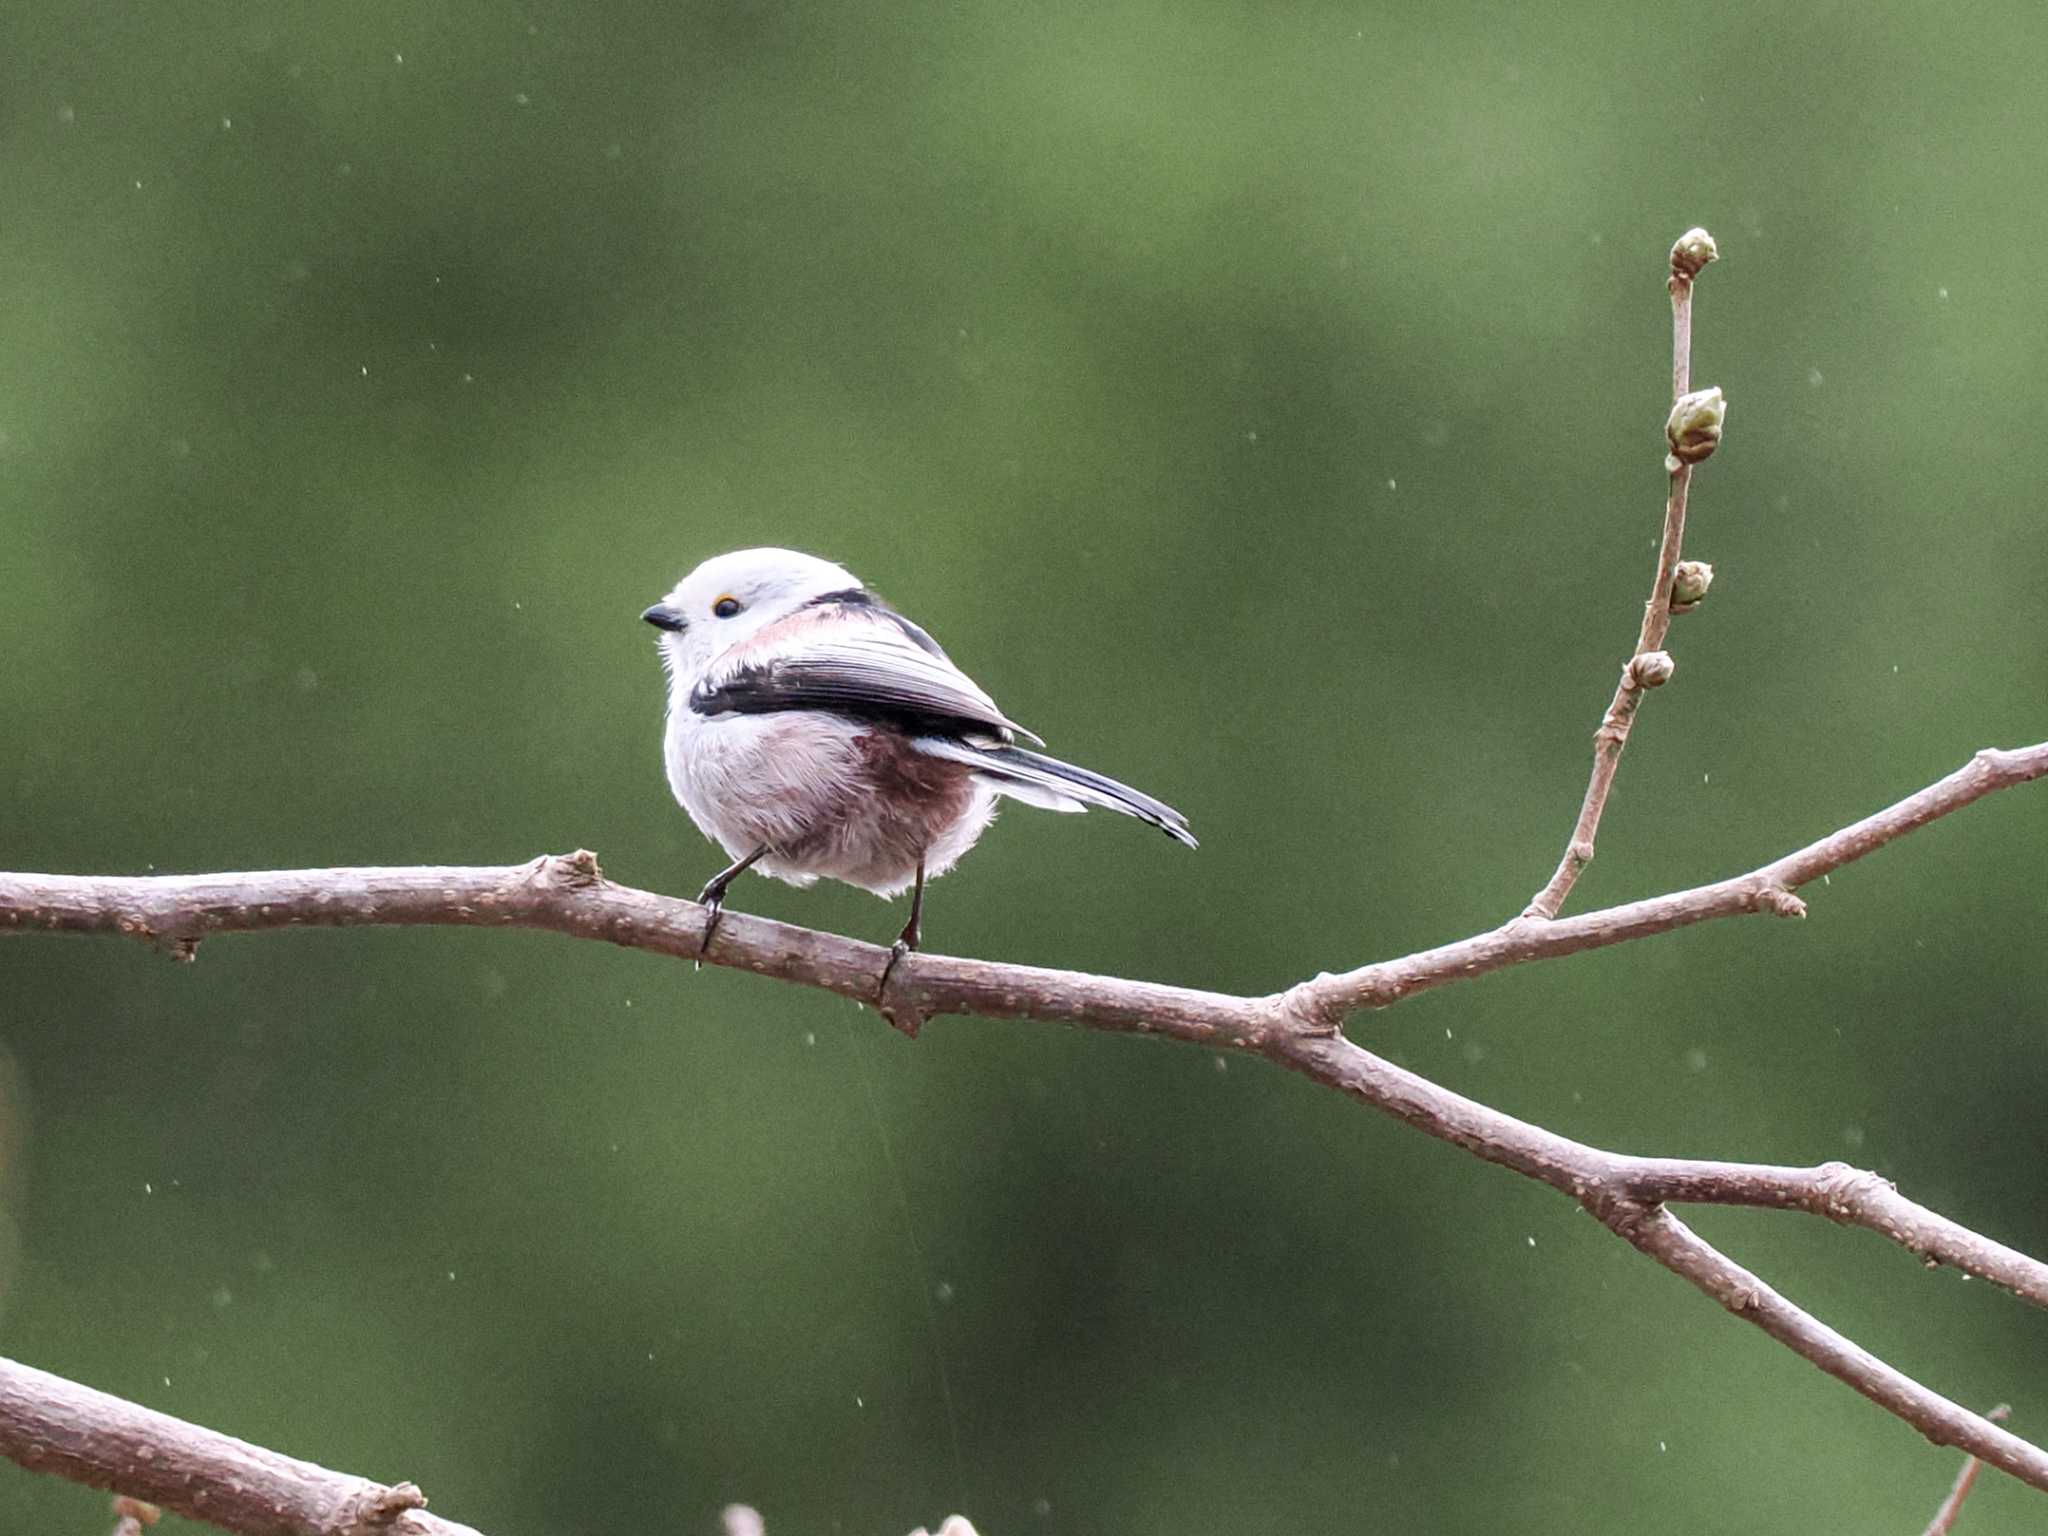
pixel 814 731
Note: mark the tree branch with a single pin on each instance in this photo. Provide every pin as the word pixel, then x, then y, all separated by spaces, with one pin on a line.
pixel 1765 889
pixel 569 895
pixel 48 1424
pixel 1693 250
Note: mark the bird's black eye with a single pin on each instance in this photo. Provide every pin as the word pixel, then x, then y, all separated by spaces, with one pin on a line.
pixel 726 607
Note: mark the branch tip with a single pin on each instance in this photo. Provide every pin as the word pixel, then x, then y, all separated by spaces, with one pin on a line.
pixel 1691 252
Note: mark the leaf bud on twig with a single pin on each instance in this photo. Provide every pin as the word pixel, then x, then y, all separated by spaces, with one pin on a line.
pixel 1689 583
pixel 1693 250
pixel 1694 427
pixel 1652 669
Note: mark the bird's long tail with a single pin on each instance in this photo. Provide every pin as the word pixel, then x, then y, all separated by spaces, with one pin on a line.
pixel 1052 785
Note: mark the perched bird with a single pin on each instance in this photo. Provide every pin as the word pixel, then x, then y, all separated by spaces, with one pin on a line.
pixel 814 731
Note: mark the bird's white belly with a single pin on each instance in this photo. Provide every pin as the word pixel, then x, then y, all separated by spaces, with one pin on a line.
pixel 801 785
pixel 754 780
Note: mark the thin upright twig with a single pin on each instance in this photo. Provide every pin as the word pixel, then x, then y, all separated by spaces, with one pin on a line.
pixel 1693 251
pixel 1966 1478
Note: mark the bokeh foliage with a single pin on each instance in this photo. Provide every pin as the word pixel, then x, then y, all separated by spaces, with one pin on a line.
pixel 1263 401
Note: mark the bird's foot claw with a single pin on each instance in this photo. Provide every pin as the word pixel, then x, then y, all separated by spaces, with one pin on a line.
pixel 901 1016
pixel 714 913
pixel 897 951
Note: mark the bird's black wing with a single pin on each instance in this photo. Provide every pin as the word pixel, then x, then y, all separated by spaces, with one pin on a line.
pixel 853 658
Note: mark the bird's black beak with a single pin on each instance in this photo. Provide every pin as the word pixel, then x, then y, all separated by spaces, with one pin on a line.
pixel 661 616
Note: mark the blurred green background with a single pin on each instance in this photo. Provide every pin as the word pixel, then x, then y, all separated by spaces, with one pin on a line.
pixel 1263 401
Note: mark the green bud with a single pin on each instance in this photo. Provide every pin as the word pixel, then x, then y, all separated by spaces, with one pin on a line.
pixel 1689 583
pixel 1695 248
pixel 1694 427
pixel 1652 669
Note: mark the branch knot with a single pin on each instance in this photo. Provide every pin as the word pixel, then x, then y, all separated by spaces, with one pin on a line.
pixel 370 1511
pixel 1779 902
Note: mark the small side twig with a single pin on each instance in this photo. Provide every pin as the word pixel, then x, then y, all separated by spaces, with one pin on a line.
pixel 1692 436
pixel 1945 1517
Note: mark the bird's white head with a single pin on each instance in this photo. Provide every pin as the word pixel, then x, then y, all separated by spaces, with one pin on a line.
pixel 731 598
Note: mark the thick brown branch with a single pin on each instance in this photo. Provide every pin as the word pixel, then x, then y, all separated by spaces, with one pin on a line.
pixel 570 895
pixel 49 1424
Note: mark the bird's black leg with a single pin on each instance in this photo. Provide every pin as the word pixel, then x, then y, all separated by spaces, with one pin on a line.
pixel 713 897
pixel 912 934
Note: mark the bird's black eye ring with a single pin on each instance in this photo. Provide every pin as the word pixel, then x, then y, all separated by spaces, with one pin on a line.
pixel 726 607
